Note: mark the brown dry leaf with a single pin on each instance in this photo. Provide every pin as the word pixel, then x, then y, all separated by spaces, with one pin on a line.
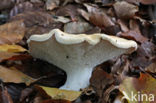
pixel 98 17
pixel 134 33
pixel 21 7
pixel 11 48
pixel 151 68
pixel 37 22
pixel 56 93
pixel 12 32
pixel 84 14
pixel 134 36
pixel 6 98
pixel 100 79
pixel 77 27
pixel 144 55
pixel 14 76
pixel 20 57
pixel 55 101
pixel 133 89
pixel 148 1
pixel 69 10
pixel 52 4
pixel 5 4
pixel 125 10
pixel 123 25
pixel 25 93
pixel 133 1
pixel 6 55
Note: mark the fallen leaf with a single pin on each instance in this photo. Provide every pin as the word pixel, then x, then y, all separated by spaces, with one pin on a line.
pixel 51 4
pixel 77 27
pixel 6 98
pixel 11 48
pixel 134 32
pixel 37 22
pixel 133 35
pixel 15 90
pixel 68 10
pixel 99 80
pixel 133 1
pixel 151 68
pixel 125 10
pixel 98 17
pixel 144 55
pixel 5 4
pixel 12 32
pixel 84 14
pixel 21 7
pixel 14 76
pixel 56 93
pixel 55 101
pixel 25 93
pixel 123 25
pixel 147 2
pixel 20 57
pixel 133 89
pixel 6 55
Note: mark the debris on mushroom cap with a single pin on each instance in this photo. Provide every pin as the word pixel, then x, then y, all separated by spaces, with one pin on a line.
pixel 77 54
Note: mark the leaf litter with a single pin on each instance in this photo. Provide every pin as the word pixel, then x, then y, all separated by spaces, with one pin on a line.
pixel 111 80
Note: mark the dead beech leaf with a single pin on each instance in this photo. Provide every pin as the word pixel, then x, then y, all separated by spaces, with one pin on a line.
pixel 37 22
pixel 12 32
pixel 123 25
pixel 5 4
pixel 84 14
pixel 55 101
pixel 21 7
pixel 6 98
pixel 151 68
pixel 148 1
pixel 56 93
pixel 125 10
pixel 6 55
pixel 77 27
pixel 133 89
pixel 134 36
pixel 14 76
pixel 100 79
pixel 144 55
pixel 51 4
pixel 68 10
pixel 98 17
pixel 11 48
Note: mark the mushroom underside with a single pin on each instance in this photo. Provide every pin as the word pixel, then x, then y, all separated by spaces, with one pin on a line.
pixel 77 60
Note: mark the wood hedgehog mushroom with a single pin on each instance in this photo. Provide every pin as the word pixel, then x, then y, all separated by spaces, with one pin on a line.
pixel 78 54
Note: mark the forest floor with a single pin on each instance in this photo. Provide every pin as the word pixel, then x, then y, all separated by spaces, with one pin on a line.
pixel 129 78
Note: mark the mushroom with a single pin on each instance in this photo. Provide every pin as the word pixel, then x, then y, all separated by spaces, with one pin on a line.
pixel 78 54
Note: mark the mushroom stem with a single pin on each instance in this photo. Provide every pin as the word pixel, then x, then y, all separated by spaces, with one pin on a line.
pixel 77 78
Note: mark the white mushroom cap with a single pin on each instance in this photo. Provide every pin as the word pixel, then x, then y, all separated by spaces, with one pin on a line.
pixel 78 54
